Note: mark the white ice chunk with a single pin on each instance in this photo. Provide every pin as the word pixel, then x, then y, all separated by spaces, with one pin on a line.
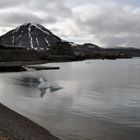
pixel 54 87
pixel 46 84
pixel 43 84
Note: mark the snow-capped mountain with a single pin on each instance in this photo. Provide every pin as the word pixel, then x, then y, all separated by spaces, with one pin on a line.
pixel 31 36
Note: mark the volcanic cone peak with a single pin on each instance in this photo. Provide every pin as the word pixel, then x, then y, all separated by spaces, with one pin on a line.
pixel 30 35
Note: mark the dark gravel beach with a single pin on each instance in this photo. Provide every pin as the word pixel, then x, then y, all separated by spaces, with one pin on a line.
pixel 16 127
pixel 2 136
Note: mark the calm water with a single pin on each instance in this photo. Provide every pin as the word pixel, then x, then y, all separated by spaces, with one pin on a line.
pixel 100 99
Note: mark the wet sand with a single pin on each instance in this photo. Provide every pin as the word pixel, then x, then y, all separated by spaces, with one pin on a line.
pixel 14 126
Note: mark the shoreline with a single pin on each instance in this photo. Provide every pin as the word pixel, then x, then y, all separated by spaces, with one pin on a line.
pixel 14 126
pixel 19 66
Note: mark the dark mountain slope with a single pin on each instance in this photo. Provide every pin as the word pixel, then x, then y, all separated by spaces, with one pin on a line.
pixel 30 35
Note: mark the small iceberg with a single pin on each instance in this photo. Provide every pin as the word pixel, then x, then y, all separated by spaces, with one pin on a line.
pixel 54 87
pixel 44 85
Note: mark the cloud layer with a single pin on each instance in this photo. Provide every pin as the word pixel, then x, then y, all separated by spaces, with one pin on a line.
pixel 107 23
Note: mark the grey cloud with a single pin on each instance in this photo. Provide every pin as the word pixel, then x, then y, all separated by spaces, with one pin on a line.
pixel 16 12
pixel 53 7
pixel 11 3
pixel 129 41
pixel 50 20
pixel 112 25
pixel 106 22
pixel 46 12
pixel 15 18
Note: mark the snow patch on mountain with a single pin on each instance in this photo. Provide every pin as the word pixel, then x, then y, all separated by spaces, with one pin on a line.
pixel 18 37
pixel 13 40
pixel 37 42
pixel 30 37
pixel 16 30
pixel 47 42
pixel 40 29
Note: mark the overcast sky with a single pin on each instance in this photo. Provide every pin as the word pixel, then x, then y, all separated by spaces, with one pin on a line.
pixel 107 23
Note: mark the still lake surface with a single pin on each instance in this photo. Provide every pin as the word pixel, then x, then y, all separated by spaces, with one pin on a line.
pixel 100 99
